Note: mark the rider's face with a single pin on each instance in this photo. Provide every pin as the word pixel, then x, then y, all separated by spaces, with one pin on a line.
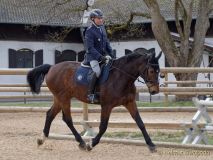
pixel 98 21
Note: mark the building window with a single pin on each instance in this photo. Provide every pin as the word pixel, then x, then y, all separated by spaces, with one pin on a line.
pixel 66 55
pixel 25 58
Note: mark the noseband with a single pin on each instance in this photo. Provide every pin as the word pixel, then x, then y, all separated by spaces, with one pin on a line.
pixel 145 74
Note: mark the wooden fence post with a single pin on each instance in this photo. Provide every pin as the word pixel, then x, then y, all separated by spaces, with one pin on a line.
pixel 166 99
pixel 85 112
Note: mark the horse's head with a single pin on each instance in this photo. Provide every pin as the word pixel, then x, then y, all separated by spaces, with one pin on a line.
pixel 151 71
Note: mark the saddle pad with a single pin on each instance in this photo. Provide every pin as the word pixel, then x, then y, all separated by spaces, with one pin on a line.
pixel 83 74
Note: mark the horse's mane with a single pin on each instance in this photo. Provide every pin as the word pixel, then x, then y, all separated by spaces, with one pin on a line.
pixel 128 58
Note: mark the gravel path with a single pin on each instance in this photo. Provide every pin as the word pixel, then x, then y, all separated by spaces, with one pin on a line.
pixel 19 131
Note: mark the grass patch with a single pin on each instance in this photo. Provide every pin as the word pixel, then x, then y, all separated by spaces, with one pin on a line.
pixel 162 104
pixel 75 104
pixel 160 136
pixel 78 104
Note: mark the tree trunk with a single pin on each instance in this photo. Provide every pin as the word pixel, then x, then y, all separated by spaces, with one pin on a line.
pixel 185 55
pixel 162 33
pixel 185 77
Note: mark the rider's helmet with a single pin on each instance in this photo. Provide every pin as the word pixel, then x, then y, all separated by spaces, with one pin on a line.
pixel 96 13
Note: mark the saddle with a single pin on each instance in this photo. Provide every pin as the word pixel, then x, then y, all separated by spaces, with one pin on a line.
pixel 83 74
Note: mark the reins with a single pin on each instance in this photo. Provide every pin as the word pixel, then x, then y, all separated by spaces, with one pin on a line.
pixel 129 75
pixel 133 77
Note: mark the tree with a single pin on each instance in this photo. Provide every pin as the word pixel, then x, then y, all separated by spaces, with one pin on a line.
pixel 182 56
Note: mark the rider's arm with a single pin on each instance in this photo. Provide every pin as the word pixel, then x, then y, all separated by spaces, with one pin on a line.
pixel 89 39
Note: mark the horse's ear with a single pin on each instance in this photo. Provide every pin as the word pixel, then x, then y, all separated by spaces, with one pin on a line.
pixel 150 56
pixel 152 50
pixel 152 53
pixel 159 55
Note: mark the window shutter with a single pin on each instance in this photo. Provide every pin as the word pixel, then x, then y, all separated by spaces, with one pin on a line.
pixel 114 52
pixel 127 51
pixel 38 57
pixel 57 56
pixel 12 58
pixel 81 56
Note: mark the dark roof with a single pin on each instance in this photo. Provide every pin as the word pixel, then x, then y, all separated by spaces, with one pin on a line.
pixel 46 12
pixel 207 46
pixel 40 12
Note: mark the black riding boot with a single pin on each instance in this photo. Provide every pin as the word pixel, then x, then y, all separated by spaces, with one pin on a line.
pixel 91 97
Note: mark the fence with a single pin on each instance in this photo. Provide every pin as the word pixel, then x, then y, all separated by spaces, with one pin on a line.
pixel 166 90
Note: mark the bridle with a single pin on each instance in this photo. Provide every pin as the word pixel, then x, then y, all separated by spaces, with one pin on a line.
pixel 144 74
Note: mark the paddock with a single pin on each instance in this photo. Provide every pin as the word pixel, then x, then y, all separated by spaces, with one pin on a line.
pixel 19 131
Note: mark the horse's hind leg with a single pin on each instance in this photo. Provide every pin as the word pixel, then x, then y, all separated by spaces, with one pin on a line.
pixel 132 108
pixel 105 114
pixel 68 120
pixel 50 115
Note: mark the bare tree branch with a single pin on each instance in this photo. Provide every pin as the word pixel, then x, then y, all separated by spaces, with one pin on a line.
pixel 162 33
pixel 114 29
pixel 202 24
pixel 177 21
pixel 60 35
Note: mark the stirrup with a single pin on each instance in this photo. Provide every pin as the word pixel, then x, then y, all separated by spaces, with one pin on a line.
pixel 92 98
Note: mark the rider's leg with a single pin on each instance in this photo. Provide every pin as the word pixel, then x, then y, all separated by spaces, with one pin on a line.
pixel 97 71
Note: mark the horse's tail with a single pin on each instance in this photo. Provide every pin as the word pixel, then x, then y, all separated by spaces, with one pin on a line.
pixel 35 77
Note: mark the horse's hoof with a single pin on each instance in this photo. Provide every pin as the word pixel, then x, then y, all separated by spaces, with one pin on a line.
pixel 152 148
pixel 89 146
pixel 82 146
pixel 39 142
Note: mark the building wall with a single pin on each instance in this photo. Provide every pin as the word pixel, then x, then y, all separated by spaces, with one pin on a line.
pixel 49 54
pixel 48 57
pixel 48 49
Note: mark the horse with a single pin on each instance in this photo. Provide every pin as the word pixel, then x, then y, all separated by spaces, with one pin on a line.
pixel 119 89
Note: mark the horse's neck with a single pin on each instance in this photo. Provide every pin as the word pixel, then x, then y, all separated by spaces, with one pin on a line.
pixel 130 70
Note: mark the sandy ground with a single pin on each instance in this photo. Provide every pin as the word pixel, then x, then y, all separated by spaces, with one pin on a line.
pixel 19 131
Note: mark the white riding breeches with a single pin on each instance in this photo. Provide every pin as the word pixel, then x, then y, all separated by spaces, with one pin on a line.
pixel 95 67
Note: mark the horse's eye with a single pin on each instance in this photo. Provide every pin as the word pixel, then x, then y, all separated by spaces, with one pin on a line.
pixel 151 71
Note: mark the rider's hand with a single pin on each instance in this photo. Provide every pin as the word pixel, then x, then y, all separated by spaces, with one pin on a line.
pixel 103 59
pixel 108 58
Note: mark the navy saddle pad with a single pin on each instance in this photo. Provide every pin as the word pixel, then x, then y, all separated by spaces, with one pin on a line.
pixel 83 74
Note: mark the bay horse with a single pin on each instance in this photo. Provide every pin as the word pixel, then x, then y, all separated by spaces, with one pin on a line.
pixel 119 89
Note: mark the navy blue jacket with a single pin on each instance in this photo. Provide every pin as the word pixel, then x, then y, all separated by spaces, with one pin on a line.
pixel 97 43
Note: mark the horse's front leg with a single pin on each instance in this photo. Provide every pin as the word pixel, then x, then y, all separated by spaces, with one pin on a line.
pixel 51 113
pixel 132 108
pixel 68 120
pixel 105 114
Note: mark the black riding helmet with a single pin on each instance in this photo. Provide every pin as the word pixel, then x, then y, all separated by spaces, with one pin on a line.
pixel 96 13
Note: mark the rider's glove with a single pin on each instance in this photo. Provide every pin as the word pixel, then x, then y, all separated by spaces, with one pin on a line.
pixel 108 58
pixel 103 59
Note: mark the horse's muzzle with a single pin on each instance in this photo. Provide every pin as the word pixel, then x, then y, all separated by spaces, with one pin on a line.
pixel 154 89
pixel 154 92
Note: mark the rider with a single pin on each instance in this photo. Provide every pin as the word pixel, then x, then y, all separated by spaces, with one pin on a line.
pixel 98 49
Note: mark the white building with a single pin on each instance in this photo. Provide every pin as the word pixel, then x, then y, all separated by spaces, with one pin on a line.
pixel 23 45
